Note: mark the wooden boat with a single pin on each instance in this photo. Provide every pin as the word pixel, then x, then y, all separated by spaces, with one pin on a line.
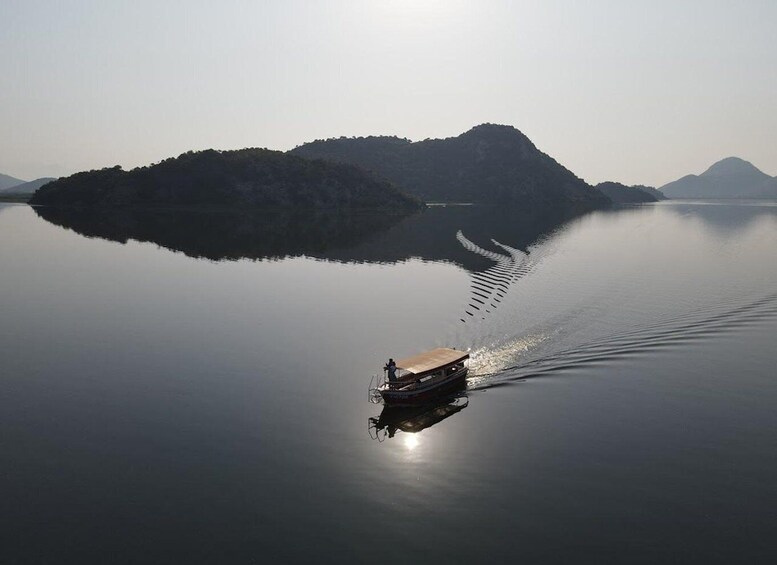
pixel 422 378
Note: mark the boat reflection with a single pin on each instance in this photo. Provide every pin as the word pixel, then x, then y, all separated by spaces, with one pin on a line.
pixel 413 419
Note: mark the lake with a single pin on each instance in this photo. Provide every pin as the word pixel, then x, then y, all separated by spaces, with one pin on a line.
pixel 192 388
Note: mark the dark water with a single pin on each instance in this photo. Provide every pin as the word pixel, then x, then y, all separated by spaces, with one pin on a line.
pixel 201 396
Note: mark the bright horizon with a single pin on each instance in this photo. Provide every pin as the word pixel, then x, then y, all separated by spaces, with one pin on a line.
pixel 634 94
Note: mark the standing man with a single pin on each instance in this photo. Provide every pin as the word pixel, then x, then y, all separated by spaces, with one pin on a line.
pixel 391 367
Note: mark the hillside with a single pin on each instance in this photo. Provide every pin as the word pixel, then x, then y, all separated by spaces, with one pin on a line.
pixel 246 178
pixel 729 178
pixel 27 187
pixel 622 194
pixel 7 181
pixel 653 191
pixel 489 164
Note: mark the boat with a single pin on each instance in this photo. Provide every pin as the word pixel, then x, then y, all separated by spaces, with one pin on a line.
pixel 421 378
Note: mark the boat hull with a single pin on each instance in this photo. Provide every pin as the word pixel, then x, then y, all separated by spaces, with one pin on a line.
pixel 419 393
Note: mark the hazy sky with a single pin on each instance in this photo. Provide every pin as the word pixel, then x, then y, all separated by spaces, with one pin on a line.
pixel 638 92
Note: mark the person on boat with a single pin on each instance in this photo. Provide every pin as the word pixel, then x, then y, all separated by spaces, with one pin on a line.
pixel 391 367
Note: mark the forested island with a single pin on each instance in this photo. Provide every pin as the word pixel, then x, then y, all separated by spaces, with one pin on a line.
pixel 493 165
pixel 489 164
pixel 245 178
pixel 623 194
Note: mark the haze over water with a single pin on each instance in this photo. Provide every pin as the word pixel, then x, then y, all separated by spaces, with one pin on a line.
pixel 185 400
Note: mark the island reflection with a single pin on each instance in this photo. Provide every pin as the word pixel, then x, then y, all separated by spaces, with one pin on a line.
pixel 342 237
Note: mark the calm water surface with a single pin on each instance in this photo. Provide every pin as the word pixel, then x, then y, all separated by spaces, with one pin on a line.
pixel 200 395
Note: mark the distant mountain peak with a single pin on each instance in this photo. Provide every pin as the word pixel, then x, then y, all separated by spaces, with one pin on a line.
pixel 731 177
pixel 7 181
pixel 733 166
pixel 27 187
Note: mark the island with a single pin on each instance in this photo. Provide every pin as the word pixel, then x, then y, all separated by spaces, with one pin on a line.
pixel 623 194
pixel 245 178
pixel 489 164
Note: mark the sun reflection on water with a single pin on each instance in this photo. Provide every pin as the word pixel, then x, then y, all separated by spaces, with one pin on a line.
pixel 411 441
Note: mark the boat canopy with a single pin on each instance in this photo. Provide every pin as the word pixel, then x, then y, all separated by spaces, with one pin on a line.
pixel 431 360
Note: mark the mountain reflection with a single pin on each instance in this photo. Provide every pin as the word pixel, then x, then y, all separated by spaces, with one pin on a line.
pixel 223 234
pixel 725 217
pixel 413 419
pixel 441 233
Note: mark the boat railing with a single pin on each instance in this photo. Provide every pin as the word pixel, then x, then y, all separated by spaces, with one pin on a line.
pixel 409 380
pixel 374 431
pixel 373 392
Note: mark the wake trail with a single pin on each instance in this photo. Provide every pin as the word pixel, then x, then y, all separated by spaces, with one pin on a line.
pixel 699 324
pixel 488 289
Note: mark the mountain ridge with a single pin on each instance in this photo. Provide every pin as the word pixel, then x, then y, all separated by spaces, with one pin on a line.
pixel 488 164
pixel 730 177
pixel 27 188
pixel 7 181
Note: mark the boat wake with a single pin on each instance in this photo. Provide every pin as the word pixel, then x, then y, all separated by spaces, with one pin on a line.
pixel 488 289
pixel 497 366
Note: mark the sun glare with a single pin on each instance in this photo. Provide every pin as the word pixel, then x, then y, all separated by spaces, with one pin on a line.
pixel 411 442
